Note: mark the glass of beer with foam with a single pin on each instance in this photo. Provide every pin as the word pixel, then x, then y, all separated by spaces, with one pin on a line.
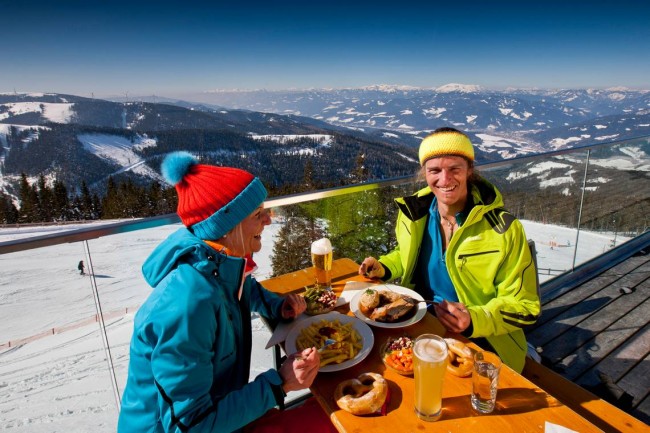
pixel 321 258
pixel 429 367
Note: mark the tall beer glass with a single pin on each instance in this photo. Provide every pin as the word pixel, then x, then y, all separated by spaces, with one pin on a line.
pixel 429 367
pixel 321 258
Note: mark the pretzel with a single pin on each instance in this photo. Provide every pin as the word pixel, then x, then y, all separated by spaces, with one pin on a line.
pixel 363 395
pixel 460 356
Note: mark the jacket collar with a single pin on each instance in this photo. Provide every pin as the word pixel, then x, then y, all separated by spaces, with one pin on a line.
pixel 251 266
pixel 184 247
pixel 417 206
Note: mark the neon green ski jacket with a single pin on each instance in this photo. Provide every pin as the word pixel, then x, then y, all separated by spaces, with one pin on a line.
pixel 489 263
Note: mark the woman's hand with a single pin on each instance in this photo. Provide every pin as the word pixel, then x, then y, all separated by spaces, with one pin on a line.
pixel 300 370
pixel 453 316
pixel 293 306
pixel 371 268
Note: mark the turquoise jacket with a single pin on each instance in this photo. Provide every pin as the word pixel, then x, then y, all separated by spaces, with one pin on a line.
pixel 191 346
pixel 489 263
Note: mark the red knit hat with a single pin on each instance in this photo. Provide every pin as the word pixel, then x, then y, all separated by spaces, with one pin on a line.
pixel 211 200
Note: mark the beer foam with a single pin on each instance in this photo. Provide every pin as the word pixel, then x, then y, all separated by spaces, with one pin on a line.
pixel 431 350
pixel 321 246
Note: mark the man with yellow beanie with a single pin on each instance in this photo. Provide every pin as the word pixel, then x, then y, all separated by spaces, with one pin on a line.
pixel 457 245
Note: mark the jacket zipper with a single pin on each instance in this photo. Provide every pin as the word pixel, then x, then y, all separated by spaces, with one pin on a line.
pixel 463 257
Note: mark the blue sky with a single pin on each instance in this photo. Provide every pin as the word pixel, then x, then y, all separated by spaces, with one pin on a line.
pixel 113 48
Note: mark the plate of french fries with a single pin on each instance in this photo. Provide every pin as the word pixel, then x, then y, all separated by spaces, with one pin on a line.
pixel 354 339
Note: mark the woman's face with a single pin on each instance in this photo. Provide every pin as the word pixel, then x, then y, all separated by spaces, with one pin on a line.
pixel 246 238
pixel 447 178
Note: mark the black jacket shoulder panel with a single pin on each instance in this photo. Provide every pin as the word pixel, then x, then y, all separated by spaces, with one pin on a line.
pixel 500 220
pixel 416 207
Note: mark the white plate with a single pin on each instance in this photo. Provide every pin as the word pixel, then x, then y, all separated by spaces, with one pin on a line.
pixel 364 332
pixel 419 314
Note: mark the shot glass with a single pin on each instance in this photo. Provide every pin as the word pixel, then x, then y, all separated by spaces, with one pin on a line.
pixel 485 380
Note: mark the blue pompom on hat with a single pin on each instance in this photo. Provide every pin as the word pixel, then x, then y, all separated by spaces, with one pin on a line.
pixel 212 200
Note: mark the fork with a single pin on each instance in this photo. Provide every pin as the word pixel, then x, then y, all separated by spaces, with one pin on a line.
pixel 428 302
pixel 436 300
pixel 328 342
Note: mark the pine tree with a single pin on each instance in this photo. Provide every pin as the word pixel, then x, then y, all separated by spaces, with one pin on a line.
pixel 110 203
pixel 61 207
pixel 308 176
pixel 28 201
pixel 45 200
pixel 96 207
pixel 292 249
pixel 86 204
pixel 8 211
pixel 360 224
pixel 361 172
pixel 153 199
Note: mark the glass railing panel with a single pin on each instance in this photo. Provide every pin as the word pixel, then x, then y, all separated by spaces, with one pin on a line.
pixel 617 196
pixel 358 224
pixel 117 270
pixel 53 371
pixel 117 264
pixel 46 292
pixel 363 223
pixel 578 204
pixel 544 194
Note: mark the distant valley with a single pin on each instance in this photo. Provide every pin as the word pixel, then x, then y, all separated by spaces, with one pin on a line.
pixel 504 123
pixel 77 140
pixel 337 135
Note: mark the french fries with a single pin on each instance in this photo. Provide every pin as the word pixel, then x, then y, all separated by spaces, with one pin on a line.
pixel 348 343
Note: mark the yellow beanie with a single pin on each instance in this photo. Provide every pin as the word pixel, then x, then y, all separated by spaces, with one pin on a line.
pixel 445 143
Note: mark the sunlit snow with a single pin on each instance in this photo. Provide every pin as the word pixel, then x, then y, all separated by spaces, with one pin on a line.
pixel 119 150
pixel 57 380
pixel 560 142
pixel 435 112
pixel 555 181
pixel 53 111
pixel 606 137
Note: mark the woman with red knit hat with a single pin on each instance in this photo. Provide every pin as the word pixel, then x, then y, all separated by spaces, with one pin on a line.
pixel 190 353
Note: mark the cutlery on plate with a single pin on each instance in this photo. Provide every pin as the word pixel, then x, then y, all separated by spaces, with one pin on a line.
pixel 428 302
pixel 328 342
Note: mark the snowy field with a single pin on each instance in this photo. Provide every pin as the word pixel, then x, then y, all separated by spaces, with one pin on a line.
pixel 54 377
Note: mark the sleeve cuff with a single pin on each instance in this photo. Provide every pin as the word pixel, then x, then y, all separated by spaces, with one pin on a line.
pixel 275 381
pixel 469 331
pixel 387 273
pixel 278 393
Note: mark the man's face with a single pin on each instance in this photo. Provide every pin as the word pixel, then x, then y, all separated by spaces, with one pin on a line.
pixel 447 178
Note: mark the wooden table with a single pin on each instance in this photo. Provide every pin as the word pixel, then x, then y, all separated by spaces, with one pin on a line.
pixel 521 405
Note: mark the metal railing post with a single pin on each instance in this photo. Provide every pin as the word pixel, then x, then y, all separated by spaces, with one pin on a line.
pixel 582 200
pixel 102 326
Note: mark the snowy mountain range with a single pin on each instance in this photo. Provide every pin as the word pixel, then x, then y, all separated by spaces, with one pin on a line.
pixel 75 138
pixel 544 119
